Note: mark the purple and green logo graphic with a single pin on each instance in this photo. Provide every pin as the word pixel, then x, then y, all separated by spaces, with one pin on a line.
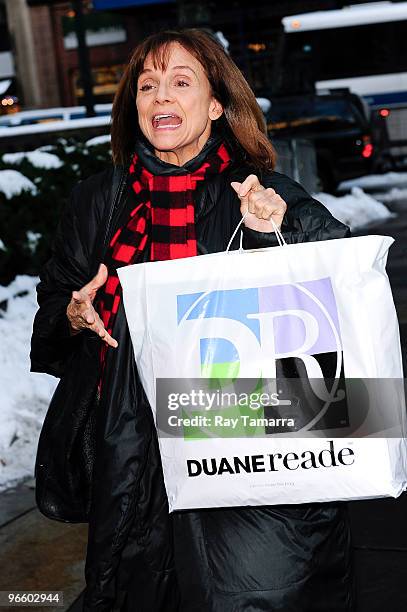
pixel 280 332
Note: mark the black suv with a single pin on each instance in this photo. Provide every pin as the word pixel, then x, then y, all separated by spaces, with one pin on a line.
pixel 338 125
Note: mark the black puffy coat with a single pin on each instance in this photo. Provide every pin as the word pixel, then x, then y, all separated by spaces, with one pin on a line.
pixel 140 559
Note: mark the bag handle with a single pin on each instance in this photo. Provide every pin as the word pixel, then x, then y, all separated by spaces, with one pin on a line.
pixel 280 238
pixel 334 393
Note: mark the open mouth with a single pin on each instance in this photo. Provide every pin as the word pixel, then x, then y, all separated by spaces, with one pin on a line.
pixel 166 121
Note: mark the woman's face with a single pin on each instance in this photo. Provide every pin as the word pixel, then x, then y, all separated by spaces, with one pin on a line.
pixel 175 106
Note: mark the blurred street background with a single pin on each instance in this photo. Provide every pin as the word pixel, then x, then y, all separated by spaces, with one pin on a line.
pixel 331 80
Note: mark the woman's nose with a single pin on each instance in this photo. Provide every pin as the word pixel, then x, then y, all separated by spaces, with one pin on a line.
pixel 163 93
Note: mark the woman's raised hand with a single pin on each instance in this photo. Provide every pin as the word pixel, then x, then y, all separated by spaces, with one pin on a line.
pixel 81 313
pixel 261 203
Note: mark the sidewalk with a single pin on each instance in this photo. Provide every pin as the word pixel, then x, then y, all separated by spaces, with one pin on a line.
pixel 37 554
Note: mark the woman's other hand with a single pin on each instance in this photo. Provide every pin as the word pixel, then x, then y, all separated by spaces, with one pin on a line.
pixel 261 203
pixel 81 313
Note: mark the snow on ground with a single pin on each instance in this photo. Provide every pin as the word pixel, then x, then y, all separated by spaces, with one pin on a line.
pixel 97 140
pixel 264 104
pixel 39 159
pixel 376 181
pixel 25 396
pixel 55 126
pixel 33 239
pixel 356 209
pixel 223 40
pixel 13 183
pixel 393 194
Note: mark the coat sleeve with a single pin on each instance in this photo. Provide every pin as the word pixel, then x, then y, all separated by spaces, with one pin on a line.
pixel 306 219
pixel 68 269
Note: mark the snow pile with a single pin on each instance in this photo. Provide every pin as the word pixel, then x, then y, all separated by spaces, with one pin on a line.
pixel 356 209
pixel 55 126
pixel 97 140
pixel 264 104
pixel 376 181
pixel 33 239
pixel 12 183
pixel 394 194
pixel 25 396
pixel 223 40
pixel 38 158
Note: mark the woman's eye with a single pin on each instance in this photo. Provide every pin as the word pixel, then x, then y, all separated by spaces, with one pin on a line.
pixel 182 83
pixel 146 87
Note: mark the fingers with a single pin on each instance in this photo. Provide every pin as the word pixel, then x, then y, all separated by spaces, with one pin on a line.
pixel 269 205
pixel 80 310
pixel 257 200
pixel 262 204
pixel 77 297
pixel 99 329
pixel 246 190
pixel 82 315
pixel 251 183
pixel 97 281
pixel 81 298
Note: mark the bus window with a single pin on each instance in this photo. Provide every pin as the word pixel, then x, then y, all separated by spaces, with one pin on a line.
pixel 336 53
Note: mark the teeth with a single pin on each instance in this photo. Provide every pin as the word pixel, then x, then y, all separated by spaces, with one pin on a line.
pixel 156 117
pixel 156 121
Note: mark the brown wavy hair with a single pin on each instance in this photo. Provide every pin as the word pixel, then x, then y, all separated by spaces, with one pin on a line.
pixel 242 119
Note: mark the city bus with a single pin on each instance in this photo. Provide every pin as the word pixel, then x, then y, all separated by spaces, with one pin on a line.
pixel 362 47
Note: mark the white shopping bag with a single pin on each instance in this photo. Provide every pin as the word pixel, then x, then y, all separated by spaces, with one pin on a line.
pixel 319 311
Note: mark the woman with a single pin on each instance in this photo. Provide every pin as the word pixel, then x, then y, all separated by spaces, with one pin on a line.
pixel 188 132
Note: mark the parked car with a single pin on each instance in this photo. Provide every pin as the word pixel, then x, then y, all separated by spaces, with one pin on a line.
pixel 338 125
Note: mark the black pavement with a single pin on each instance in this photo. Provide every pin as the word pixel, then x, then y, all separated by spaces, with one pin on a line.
pixel 37 554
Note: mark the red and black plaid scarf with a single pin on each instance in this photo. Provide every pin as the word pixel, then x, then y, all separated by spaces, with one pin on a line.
pixel 162 216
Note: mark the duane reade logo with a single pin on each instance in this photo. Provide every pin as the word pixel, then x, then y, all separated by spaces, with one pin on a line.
pixel 280 332
pixel 273 462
